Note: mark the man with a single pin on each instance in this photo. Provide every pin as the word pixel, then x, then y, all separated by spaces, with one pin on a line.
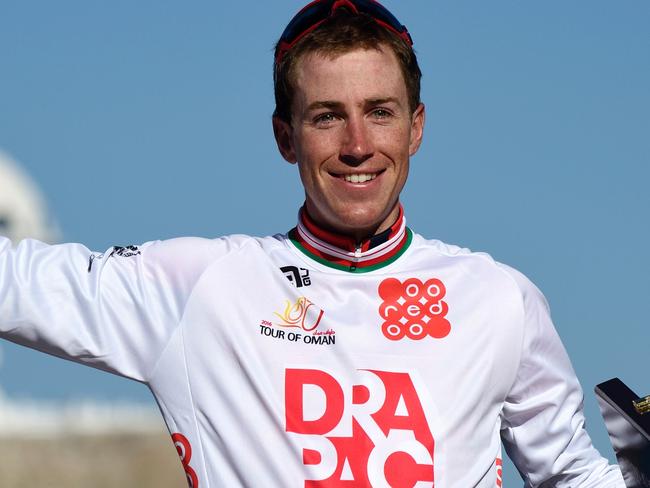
pixel 361 354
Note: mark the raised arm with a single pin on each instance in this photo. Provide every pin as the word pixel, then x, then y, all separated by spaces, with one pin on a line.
pixel 114 310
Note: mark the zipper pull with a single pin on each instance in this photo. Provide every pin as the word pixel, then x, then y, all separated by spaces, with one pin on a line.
pixel 357 253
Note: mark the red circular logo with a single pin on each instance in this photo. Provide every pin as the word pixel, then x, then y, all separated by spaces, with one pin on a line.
pixel 413 309
pixel 184 450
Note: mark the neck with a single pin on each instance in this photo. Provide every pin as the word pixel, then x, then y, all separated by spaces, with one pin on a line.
pixel 356 232
pixel 350 241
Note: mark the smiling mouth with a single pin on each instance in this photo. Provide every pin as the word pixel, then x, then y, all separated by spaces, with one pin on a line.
pixel 360 177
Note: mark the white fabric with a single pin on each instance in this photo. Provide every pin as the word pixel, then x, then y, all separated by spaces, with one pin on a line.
pixel 190 317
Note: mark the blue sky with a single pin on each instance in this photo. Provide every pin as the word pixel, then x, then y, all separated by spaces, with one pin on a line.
pixel 146 120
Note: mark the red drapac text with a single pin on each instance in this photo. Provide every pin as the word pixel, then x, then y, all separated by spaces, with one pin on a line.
pixel 371 433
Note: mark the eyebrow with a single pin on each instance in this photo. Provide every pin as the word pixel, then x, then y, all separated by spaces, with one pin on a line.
pixel 324 104
pixel 330 104
pixel 382 101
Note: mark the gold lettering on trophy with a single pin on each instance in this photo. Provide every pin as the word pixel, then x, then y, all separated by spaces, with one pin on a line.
pixel 642 405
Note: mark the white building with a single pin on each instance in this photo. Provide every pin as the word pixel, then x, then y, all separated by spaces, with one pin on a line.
pixel 23 212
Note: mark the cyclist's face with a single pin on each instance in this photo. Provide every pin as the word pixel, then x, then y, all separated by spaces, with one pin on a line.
pixel 352 134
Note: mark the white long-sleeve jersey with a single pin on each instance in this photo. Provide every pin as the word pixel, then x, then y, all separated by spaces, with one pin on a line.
pixel 275 367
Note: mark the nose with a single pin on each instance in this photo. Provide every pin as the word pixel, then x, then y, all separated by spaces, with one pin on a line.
pixel 356 146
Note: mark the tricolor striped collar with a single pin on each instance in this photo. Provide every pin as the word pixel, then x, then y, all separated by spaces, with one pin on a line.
pixel 344 253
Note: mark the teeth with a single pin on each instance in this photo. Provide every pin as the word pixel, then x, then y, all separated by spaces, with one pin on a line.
pixel 360 178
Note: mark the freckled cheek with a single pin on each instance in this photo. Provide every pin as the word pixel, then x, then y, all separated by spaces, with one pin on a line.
pixel 314 151
pixel 393 140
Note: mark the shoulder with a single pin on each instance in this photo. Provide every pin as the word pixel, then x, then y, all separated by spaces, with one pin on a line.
pixel 181 261
pixel 192 251
pixel 478 267
pixel 206 247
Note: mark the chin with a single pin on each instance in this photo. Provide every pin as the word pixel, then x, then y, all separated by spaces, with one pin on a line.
pixel 360 219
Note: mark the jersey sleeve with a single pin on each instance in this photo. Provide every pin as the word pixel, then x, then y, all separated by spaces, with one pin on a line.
pixel 543 425
pixel 114 310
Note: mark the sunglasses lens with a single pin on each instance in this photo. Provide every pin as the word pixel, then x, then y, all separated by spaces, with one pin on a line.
pixel 379 12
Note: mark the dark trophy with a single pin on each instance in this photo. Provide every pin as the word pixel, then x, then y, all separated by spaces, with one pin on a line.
pixel 627 418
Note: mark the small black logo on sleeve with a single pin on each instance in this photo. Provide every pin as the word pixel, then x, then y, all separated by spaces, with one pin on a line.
pixel 121 251
pixel 125 252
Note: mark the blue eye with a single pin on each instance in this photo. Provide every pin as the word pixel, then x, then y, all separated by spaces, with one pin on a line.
pixel 325 119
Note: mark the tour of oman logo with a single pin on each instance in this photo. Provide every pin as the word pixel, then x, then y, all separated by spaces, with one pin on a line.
pixel 304 321
pixel 413 309
pixel 303 314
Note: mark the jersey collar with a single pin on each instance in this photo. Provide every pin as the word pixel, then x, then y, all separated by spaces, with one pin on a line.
pixel 343 252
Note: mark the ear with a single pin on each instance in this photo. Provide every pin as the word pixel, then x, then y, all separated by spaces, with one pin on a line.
pixel 417 129
pixel 284 139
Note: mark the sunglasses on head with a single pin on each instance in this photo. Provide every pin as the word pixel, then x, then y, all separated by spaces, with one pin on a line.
pixel 315 13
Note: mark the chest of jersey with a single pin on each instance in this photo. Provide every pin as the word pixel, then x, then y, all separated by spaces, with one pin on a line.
pixel 375 379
